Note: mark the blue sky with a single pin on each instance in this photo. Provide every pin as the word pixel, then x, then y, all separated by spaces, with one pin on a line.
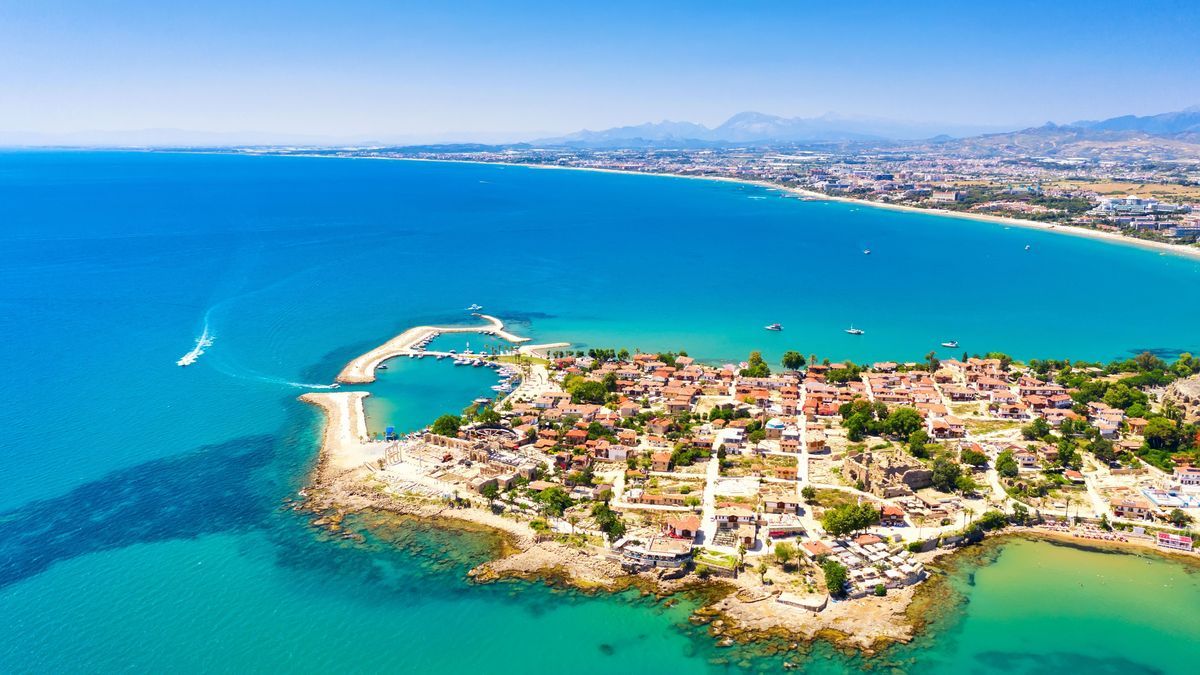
pixel 473 69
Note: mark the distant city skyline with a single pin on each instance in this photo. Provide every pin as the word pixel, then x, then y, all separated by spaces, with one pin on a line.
pixel 478 72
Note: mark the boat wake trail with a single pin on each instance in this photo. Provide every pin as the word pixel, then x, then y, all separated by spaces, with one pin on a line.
pixel 202 343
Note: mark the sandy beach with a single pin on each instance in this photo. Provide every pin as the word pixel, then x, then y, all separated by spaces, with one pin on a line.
pixel 344 445
pixel 1071 230
pixel 361 370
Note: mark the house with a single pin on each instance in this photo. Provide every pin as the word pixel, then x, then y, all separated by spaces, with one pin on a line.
pixel 629 409
pixel 817 549
pixel 891 516
pixel 732 516
pixel 1188 478
pixel 1132 508
pixel 658 426
pixel 781 505
pixel 1026 459
pixel 614 451
pixel 1137 425
pixel 682 527
pixel 656 552
pixel 1176 542
pixel 660 461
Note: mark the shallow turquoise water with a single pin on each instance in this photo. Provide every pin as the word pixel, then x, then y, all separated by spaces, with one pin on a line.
pixel 141 524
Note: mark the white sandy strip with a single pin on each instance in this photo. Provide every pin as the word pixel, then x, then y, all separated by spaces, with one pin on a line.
pixel 362 369
pixel 345 443
pixel 539 351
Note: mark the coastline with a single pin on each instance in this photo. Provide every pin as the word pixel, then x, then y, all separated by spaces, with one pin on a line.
pixel 1184 251
pixel 348 479
pixel 343 482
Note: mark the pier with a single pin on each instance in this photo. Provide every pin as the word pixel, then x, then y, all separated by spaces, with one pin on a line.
pixel 362 369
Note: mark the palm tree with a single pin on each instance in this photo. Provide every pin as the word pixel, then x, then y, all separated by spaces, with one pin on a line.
pixel 762 572
pixel 572 519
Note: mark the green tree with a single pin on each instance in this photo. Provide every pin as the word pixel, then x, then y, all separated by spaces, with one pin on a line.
pixel 490 490
pixel 835 577
pixel 1160 433
pixel 785 552
pixel 587 391
pixel 1036 430
pixel 966 484
pixel 793 360
pixel 488 416
pixel 945 474
pixel 809 493
pixel 932 361
pixel 1006 464
pixel 756 366
pixel 847 518
pixel 446 425
pixel 1178 518
pixel 918 442
pixel 609 521
pixel 903 422
pixel 973 457
pixel 554 500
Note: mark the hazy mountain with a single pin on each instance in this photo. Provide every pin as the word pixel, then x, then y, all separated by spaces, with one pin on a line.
pixel 1164 124
pixel 756 127
pixel 1073 142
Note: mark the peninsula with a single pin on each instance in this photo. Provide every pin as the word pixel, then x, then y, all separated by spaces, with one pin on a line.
pixel 815 496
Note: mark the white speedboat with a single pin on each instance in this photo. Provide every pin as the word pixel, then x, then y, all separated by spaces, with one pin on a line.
pixel 855 331
pixel 773 326
pixel 950 344
pixel 474 308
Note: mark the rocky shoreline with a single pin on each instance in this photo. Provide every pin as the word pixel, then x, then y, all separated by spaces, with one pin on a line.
pixel 734 612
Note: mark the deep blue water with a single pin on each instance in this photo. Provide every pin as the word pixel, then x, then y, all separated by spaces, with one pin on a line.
pixel 145 499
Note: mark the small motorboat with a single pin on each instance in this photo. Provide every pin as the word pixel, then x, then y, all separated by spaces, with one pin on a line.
pixel 474 308
pixel 866 251
pixel 950 344
pixel 773 326
pixel 1026 247
pixel 855 331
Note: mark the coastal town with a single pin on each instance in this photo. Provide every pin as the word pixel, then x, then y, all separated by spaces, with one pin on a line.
pixel 809 485
pixel 1117 192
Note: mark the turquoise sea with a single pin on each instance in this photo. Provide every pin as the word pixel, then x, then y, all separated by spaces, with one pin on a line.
pixel 142 518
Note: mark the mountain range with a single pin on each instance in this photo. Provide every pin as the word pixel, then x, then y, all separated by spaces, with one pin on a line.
pixel 754 127
pixel 751 127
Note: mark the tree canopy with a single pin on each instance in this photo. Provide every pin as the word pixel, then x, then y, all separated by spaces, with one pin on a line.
pixel 446 425
pixel 848 518
pixel 793 360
